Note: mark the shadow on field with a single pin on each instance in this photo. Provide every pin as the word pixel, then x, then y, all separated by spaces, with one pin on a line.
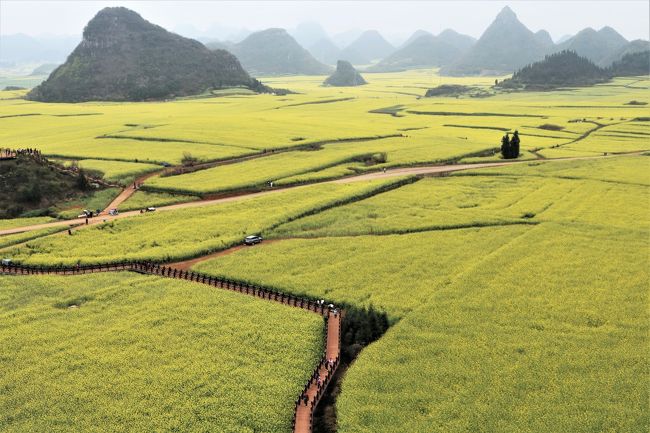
pixel 360 327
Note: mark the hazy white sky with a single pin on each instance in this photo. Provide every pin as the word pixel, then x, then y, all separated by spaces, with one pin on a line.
pixel 630 18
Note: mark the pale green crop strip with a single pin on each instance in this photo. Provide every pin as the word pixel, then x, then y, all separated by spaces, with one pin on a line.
pixel 9 240
pixel 124 352
pixel 187 233
pixel 515 328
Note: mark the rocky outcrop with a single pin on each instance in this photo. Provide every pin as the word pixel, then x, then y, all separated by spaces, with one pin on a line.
pixel 345 75
pixel 123 57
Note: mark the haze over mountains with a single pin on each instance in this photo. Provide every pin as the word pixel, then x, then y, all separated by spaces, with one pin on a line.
pixel 275 52
pixel 165 58
pixel 369 46
pixel 506 45
pixel 597 46
pixel 425 50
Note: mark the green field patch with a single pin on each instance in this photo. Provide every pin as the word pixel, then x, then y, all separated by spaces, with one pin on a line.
pixel 322 101
pixel 96 200
pixel 144 199
pixel 430 204
pixel 453 113
pixel 492 128
pixel 186 233
pixel 334 172
pixel 372 267
pixel 124 352
pixel 167 140
pixel 479 307
pixel 18 238
pixel 399 151
pixel 552 313
pixel 248 174
pixel 623 169
pixel 514 348
pixel 151 152
pixel 259 172
pixel 19 222
pixel 115 171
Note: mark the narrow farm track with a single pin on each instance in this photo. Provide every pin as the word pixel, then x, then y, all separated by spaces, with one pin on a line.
pixel 314 389
pixel 128 191
pixel 188 264
pixel 431 170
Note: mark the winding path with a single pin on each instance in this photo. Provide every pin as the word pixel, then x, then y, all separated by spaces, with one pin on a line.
pixel 128 191
pixel 189 264
pixel 407 171
pixel 315 387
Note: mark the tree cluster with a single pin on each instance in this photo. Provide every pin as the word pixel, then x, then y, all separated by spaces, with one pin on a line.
pixel 27 185
pixel 510 146
pixel 632 64
pixel 562 69
pixel 361 327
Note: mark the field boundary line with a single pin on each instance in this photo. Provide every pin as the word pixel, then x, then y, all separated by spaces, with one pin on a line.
pixel 416 171
pixel 306 403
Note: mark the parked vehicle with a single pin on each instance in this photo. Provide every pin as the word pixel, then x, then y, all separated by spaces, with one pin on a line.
pixel 113 212
pixel 6 262
pixel 151 209
pixel 253 239
pixel 86 214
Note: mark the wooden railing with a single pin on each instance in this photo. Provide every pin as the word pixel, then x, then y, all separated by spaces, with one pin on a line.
pixel 322 373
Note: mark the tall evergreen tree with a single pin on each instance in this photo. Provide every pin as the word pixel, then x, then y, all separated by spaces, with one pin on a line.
pixel 514 145
pixel 505 147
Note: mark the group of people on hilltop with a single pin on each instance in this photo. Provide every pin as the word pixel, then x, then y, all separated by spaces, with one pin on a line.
pixel 510 146
pixel 29 151
pixel 12 153
pixel 7 153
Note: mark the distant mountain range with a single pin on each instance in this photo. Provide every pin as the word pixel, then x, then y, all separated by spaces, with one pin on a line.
pixel 632 47
pixel 596 46
pixel 426 50
pixel 22 49
pixel 369 46
pixel 309 33
pixel 326 51
pixel 415 36
pixel 122 57
pixel 275 52
pixel 506 45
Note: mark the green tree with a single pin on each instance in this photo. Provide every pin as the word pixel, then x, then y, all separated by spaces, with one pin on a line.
pixel 505 147
pixel 514 145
